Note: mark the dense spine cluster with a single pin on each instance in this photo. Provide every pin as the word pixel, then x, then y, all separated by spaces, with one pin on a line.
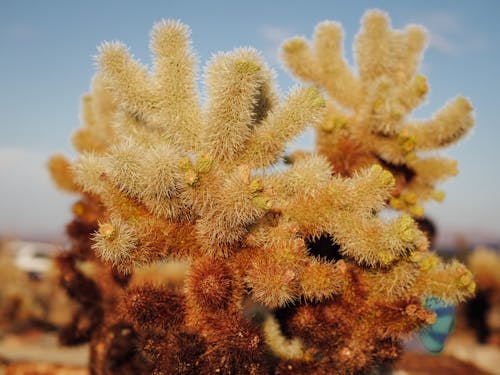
pixel 182 180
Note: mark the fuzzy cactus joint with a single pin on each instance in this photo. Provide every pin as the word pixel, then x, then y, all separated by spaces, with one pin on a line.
pixel 196 250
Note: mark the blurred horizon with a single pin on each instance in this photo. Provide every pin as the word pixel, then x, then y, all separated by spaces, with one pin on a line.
pixel 47 65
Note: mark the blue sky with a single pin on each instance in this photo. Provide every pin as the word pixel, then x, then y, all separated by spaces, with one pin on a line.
pixel 47 50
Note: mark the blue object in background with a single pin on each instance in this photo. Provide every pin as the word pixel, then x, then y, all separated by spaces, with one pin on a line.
pixel 433 336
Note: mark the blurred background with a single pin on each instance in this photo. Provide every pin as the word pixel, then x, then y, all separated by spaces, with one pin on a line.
pixel 48 49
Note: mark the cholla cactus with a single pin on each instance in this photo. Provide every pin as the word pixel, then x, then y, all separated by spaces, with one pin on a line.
pixel 368 114
pixel 27 301
pixel 484 263
pixel 96 286
pixel 95 136
pixel 192 181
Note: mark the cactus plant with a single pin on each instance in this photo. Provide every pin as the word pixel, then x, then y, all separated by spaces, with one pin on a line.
pixel 194 181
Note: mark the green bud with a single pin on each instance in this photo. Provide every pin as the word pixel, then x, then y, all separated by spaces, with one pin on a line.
pixel 255 185
pixel 263 202
pixel 245 66
pixel 204 163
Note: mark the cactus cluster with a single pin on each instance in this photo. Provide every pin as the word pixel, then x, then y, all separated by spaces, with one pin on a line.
pixel 289 270
pixel 369 114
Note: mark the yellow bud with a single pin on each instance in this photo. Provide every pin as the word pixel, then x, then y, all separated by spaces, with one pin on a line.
pixel 287 255
pixel 410 157
pixel 332 123
pixel 106 230
pixel 375 168
pixel 263 202
pixel 339 122
pixel 407 232
pixel 454 167
pixel 316 99
pixel 377 105
pixel 409 145
pixel 422 244
pixel 78 209
pixel 403 135
pixel 425 264
pixel 384 85
pixel 464 103
pixel 385 258
pixel 185 164
pixel 438 195
pixel 460 269
pixel 191 177
pixel 421 85
pixel 396 114
pixel 396 203
pixel 416 256
pixel 465 279
pixel 245 66
pixel 387 178
pixel 205 163
pixel 428 263
pixel 406 223
pixel 410 197
pixel 294 45
pixel 307 357
pixel 255 185
pixel 471 288
pixel 415 210
pixel 328 125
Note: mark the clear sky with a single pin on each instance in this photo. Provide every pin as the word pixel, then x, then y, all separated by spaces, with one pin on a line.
pixel 46 60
